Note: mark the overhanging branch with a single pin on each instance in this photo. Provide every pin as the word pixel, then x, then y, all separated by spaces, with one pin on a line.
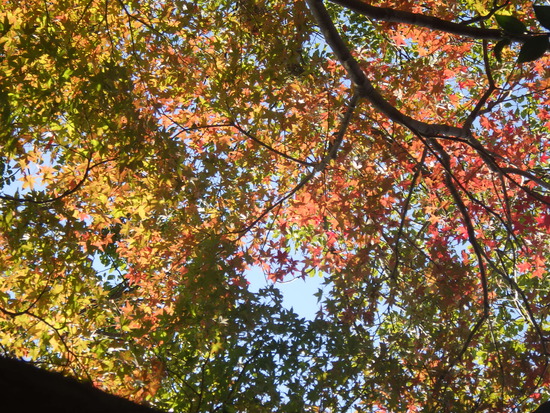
pixel 430 22
pixel 364 85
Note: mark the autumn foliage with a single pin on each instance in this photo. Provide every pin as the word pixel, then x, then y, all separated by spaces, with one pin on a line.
pixel 152 152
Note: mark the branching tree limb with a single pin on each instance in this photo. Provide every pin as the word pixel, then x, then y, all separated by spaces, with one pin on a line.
pixel 429 22
pixel 364 85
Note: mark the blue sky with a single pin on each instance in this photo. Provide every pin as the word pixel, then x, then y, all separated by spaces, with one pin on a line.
pixel 298 294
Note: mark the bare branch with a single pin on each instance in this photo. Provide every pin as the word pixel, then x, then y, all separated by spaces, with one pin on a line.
pixel 416 175
pixel 483 100
pixel 14 314
pixel 466 219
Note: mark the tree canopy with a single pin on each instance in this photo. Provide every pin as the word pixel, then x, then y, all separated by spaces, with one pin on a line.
pixel 152 152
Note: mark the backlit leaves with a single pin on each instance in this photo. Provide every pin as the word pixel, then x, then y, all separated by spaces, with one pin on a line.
pixel 156 156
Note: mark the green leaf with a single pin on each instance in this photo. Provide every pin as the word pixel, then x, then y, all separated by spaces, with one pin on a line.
pixel 510 24
pixel 5 26
pixel 67 73
pixel 533 48
pixel 498 48
pixel 543 15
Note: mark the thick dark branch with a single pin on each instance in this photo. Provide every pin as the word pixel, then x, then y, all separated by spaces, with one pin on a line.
pixel 492 87
pixel 430 22
pixel 444 158
pixel 515 171
pixel 364 85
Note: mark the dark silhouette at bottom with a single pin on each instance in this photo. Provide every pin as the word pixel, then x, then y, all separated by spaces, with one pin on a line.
pixel 25 388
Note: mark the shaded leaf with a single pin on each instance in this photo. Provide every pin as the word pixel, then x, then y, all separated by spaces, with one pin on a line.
pixel 510 24
pixel 533 48
pixel 499 47
pixel 543 15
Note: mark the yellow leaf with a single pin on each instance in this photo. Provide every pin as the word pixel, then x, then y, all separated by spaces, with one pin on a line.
pixel 142 212
pixel 28 181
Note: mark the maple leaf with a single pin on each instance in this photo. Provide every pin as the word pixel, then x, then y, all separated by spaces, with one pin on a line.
pixel 524 267
pixel 29 181
pixel 544 220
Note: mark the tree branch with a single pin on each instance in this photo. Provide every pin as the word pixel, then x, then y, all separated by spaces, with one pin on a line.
pixel 364 85
pixel 430 22
pixel 268 147
pixel 483 100
pixel 65 193
pixel 318 167
pixel 404 212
